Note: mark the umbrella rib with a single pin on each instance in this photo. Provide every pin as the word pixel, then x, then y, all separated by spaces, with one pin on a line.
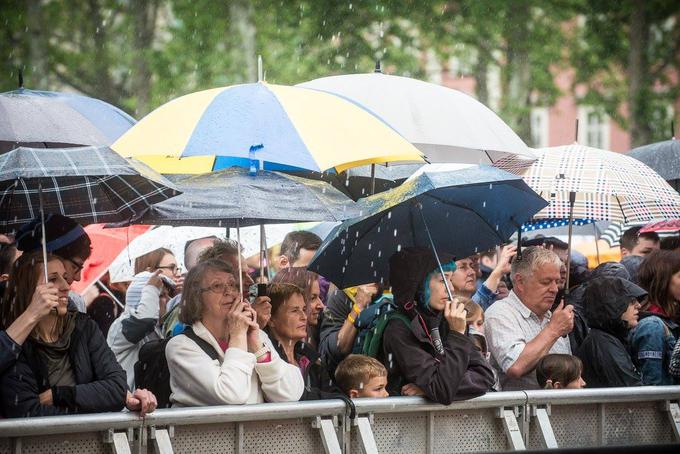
pixel 625 218
pixel 470 210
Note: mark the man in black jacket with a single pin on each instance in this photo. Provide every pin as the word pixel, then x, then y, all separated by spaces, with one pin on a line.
pixel 431 351
pixel 612 306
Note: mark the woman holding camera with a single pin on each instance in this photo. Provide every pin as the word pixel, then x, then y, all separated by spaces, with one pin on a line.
pixel 246 368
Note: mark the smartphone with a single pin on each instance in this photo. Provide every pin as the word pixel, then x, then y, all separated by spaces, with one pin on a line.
pixel 255 291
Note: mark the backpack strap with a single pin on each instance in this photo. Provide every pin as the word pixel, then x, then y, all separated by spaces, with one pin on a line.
pixel 374 342
pixel 205 346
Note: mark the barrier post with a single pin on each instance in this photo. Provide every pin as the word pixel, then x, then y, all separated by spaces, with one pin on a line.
pixel 673 411
pixel 545 430
pixel 366 438
pixel 508 415
pixel 328 436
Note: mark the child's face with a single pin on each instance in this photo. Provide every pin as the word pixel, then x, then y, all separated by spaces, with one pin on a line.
pixel 577 384
pixel 478 322
pixel 374 388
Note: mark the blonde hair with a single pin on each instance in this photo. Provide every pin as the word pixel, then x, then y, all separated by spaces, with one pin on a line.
pixel 356 370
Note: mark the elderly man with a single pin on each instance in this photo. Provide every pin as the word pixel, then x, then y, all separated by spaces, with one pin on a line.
pixel 521 329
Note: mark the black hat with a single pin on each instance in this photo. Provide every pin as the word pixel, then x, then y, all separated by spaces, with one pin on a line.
pixel 607 297
pixel 408 269
pixel 60 231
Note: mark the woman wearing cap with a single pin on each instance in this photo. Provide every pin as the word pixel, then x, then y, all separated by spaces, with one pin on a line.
pixel 612 305
pixel 246 368
pixel 425 344
pixel 64 366
pixel 653 340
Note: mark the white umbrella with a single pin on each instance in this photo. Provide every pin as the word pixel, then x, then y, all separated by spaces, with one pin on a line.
pixel 445 124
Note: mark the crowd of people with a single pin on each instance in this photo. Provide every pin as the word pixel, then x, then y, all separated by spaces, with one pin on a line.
pixel 447 329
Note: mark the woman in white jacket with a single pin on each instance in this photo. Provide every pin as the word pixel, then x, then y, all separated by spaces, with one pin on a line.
pixel 248 369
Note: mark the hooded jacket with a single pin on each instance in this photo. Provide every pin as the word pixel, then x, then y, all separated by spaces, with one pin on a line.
pixel 409 352
pixel 604 352
pixel 100 381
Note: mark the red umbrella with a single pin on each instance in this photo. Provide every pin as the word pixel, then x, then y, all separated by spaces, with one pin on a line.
pixel 671 225
pixel 107 244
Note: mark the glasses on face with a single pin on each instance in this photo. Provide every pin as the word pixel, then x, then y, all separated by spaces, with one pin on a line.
pixel 78 266
pixel 172 267
pixel 221 288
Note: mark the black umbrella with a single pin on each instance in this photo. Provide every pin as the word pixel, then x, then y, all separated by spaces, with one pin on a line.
pixel 460 212
pixel 45 119
pixel 88 184
pixel 232 196
pixel 663 158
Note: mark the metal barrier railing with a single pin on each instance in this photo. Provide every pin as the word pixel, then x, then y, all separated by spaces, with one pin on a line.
pixel 493 422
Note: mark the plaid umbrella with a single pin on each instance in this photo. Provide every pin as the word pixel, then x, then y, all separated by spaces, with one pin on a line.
pixel 609 186
pixel 88 184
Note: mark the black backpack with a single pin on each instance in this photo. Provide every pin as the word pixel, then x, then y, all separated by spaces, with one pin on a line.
pixel 151 369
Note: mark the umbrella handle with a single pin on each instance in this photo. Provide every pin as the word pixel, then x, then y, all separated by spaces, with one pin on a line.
pixel 434 250
pixel 572 200
pixel 42 228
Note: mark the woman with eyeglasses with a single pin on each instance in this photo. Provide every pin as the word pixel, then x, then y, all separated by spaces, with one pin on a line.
pixel 162 260
pixel 223 357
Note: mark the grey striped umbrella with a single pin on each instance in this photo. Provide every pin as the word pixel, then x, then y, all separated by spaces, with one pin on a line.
pixel 88 184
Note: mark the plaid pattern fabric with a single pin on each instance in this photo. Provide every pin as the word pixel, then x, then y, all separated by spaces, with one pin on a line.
pixel 609 186
pixel 88 184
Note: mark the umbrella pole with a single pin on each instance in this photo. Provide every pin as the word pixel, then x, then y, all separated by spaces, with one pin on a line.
pixel 572 199
pixel 262 250
pixel 105 288
pixel 240 270
pixel 597 246
pixel 372 179
pixel 434 250
pixel 42 228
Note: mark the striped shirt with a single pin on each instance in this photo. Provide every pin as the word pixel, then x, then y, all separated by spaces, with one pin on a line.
pixel 508 326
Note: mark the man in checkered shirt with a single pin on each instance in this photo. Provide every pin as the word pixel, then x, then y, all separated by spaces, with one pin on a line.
pixel 521 329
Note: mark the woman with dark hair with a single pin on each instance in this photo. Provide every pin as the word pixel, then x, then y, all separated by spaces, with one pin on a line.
pixel 424 342
pixel 236 362
pixel 308 283
pixel 64 366
pixel 653 340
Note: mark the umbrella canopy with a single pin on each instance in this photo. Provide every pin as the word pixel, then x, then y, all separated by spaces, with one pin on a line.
pixel 107 243
pixel 88 184
pixel 220 198
pixel 668 226
pixel 662 157
pixel 467 211
pixel 45 119
pixel 609 186
pixel 613 232
pixel 281 126
pixel 446 125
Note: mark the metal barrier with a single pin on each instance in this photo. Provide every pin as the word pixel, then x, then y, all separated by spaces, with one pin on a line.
pixel 494 422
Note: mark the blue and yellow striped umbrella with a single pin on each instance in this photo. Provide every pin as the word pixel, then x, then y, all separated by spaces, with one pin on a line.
pixel 282 126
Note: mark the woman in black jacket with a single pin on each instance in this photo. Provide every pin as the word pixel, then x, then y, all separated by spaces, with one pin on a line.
pixel 65 365
pixel 612 306
pixel 425 344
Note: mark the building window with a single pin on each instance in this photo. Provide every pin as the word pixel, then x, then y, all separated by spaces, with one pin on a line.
pixel 593 128
pixel 539 127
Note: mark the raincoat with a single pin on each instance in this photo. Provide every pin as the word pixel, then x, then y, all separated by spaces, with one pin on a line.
pixel 100 381
pixel 604 352
pixel 409 352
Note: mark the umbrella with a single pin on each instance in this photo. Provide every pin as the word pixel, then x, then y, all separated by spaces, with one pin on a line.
pixel 223 197
pixel 461 212
pixel 107 244
pixel 282 127
pixel 672 225
pixel 612 234
pixel 88 184
pixel 608 186
pixel 663 158
pixel 445 124
pixel 45 119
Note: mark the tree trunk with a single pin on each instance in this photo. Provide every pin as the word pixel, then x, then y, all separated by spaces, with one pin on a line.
pixel 241 13
pixel 638 76
pixel 37 76
pixel 144 16
pixel 516 106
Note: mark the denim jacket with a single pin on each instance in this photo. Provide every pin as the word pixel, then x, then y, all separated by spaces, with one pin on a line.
pixel 652 343
pixel 484 297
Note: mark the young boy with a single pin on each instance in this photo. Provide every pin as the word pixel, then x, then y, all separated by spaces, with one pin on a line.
pixel 361 376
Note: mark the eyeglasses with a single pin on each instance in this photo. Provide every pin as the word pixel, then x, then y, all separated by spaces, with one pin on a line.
pixel 173 268
pixel 78 266
pixel 221 288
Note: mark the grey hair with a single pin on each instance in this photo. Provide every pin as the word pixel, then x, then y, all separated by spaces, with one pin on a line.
pixel 533 258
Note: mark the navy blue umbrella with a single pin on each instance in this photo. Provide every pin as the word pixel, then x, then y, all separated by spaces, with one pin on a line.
pixel 460 212
pixel 45 119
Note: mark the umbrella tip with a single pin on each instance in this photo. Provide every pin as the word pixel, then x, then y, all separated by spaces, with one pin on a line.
pixel 377 69
pixel 21 78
